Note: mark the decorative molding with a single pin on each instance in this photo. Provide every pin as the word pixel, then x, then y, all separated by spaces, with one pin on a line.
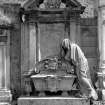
pixel 35 4
pixel 90 10
pixel 11 1
pixel 29 4
pixel 52 4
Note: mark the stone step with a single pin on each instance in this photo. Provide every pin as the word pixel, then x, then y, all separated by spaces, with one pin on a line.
pixel 4 103
pixel 53 101
pixel 5 96
pixel 5 92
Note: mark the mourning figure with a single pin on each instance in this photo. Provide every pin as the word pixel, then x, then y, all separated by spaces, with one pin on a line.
pixel 72 52
pixel 61 72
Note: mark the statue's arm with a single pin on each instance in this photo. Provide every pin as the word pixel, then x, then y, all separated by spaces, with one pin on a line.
pixel 82 62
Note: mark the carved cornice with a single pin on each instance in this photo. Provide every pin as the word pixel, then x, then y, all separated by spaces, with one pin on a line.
pixel 52 12
pixel 51 15
pixel 91 8
pixel 34 4
pixel 52 4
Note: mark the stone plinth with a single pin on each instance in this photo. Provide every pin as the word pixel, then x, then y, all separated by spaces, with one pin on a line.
pixel 53 101
pixel 5 97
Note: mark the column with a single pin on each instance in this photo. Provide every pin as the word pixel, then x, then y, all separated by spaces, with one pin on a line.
pixel 101 38
pixel 24 53
pixel 38 53
pixel 5 93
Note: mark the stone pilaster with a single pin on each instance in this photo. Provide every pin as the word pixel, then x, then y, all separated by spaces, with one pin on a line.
pixel 24 53
pixel 101 38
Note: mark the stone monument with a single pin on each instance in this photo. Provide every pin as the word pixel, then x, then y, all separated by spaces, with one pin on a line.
pixel 53 74
pixel 52 77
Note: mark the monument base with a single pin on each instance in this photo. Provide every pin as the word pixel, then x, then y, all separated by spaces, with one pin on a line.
pixel 5 97
pixel 53 101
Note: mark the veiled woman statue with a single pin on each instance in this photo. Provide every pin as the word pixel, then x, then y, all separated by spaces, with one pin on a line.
pixel 71 51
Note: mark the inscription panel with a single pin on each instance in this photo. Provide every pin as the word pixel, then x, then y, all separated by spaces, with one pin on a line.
pixel 51 36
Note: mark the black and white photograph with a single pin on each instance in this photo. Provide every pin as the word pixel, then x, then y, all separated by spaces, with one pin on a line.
pixel 52 52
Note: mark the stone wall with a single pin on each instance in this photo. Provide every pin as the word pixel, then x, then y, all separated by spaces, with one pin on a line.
pixel 89 44
pixel 11 12
pixel 51 36
pixel 15 62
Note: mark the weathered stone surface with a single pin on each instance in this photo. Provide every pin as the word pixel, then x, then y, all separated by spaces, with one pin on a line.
pixel 12 1
pixel 88 40
pixel 101 2
pixel 4 103
pixel 5 96
pixel 53 101
pixel 90 9
pixel 24 53
pixel 50 37
pixel 9 14
pixel 15 66
pixel 98 103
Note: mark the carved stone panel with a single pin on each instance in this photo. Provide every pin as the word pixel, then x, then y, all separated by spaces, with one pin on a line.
pixel 50 37
pixel 52 4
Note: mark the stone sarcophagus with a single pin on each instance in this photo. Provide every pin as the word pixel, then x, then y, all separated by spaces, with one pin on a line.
pixel 53 83
pixel 54 74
